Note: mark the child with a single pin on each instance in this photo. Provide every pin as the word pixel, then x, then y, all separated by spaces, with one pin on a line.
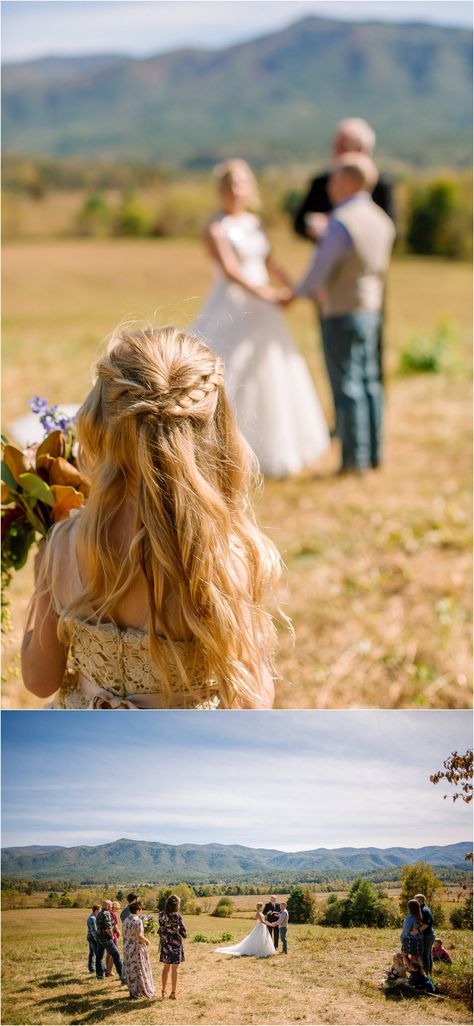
pixel 439 952
pixel 418 978
pixel 397 969
pixel 396 975
pixel 152 592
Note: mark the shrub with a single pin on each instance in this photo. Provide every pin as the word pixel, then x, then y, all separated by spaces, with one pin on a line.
pixel 439 220
pixel 430 353
pixel 224 908
pixel 95 218
pixel 461 916
pixel 202 938
pixel 132 219
pixel 301 905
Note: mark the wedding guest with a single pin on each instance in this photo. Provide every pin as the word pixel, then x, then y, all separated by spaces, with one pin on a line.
pixel 154 589
pixel 126 911
pixel 92 937
pixel 267 379
pixel 352 135
pixel 136 958
pixel 418 977
pixel 439 953
pixel 105 941
pixel 428 933
pixel 346 277
pixel 171 931
pixel 282 926
pixel 109 962
pixel 411 935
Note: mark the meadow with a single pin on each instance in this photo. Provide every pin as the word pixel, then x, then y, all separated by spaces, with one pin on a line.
pixel 329 976
pixel 377 569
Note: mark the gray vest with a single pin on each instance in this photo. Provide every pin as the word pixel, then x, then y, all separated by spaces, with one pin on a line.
pixel 356 283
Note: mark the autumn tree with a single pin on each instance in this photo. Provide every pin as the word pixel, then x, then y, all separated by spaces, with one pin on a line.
pixel 457 772
pixel 418 879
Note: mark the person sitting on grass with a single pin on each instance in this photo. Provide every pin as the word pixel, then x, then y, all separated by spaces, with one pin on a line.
pixel 397 970
pixel 439 952
pixel 418 978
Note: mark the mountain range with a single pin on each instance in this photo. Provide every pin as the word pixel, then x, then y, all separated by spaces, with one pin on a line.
pixel 272 100
pixel 153 862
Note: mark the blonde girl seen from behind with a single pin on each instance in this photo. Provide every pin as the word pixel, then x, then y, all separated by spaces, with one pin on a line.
pixel 154 590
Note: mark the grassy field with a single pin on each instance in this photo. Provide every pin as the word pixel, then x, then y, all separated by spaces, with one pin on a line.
pixel 377 578
pixel 329 976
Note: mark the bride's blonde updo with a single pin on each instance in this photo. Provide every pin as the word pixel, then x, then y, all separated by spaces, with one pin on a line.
pixel 157 427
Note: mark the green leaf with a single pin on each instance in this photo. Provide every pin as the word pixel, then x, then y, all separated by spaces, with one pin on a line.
pixel 37 488
pixel 5 440
pixel 7 478
pixel 32 517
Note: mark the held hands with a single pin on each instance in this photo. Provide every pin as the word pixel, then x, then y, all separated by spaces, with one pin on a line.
pixel 316 225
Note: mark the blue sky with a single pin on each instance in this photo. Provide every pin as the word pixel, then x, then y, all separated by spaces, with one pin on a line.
pixel 287 780
pixel 33 28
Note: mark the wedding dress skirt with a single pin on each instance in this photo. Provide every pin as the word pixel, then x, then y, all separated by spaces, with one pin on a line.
pixel 257 943
pixel 266 378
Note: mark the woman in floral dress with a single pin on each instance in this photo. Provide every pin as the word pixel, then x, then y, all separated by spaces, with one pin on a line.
pixel 172 930
pixel 136 959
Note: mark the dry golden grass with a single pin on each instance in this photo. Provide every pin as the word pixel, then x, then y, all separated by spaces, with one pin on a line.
pixel 329 976
pixel 377 580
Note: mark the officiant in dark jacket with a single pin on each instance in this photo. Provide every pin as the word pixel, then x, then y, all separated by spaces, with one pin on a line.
pixel 271 912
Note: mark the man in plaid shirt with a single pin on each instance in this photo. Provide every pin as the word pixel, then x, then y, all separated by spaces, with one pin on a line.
pixel 105 942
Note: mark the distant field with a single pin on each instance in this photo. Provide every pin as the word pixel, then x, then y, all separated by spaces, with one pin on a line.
pixel 329 976
pixel 378 570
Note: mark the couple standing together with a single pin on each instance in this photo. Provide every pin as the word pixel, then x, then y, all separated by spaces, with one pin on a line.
pixel 262 942
pixel 267 380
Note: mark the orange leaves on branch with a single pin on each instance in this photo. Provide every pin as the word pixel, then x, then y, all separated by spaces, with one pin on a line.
pixel 457 771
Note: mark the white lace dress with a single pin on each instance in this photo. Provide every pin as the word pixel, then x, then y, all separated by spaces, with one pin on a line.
pixel 111 667
pixel 257 943
pixel 267 380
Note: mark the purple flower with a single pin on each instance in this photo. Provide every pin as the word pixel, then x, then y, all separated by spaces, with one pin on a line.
pixel 38 405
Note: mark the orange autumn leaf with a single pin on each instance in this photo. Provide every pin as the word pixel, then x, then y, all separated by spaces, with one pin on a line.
pixel 53 445
pixel 15 462
pixel 67 499
pixel 59 471
pixel 5 492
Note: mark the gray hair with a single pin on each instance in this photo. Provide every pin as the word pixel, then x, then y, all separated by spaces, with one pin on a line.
pixel 360 133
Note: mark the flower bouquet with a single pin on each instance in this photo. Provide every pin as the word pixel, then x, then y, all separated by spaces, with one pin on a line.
pixel 149 925
pixel 40 486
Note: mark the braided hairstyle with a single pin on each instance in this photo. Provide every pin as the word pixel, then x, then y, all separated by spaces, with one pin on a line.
pixel 157 427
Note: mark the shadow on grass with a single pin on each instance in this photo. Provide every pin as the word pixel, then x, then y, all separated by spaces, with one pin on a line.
pixel 60 980
pixel 78 1008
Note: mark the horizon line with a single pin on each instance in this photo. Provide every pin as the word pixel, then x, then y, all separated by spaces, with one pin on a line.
pixel 284 851
pixel 145 56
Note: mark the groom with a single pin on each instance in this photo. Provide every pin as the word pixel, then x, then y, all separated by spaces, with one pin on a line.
pixel 272 914
pixel 346 279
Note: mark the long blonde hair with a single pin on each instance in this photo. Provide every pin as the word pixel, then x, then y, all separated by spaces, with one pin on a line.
pixel 157 426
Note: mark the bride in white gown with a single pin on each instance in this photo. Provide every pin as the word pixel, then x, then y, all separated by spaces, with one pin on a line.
pixel 267 379
pixel 257 943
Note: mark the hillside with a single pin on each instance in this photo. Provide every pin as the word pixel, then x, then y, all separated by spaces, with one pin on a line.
pixel 152 861
pixel 274 99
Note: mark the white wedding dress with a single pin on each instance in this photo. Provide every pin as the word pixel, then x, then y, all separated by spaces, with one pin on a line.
pixel 257 943
pixel 267 380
